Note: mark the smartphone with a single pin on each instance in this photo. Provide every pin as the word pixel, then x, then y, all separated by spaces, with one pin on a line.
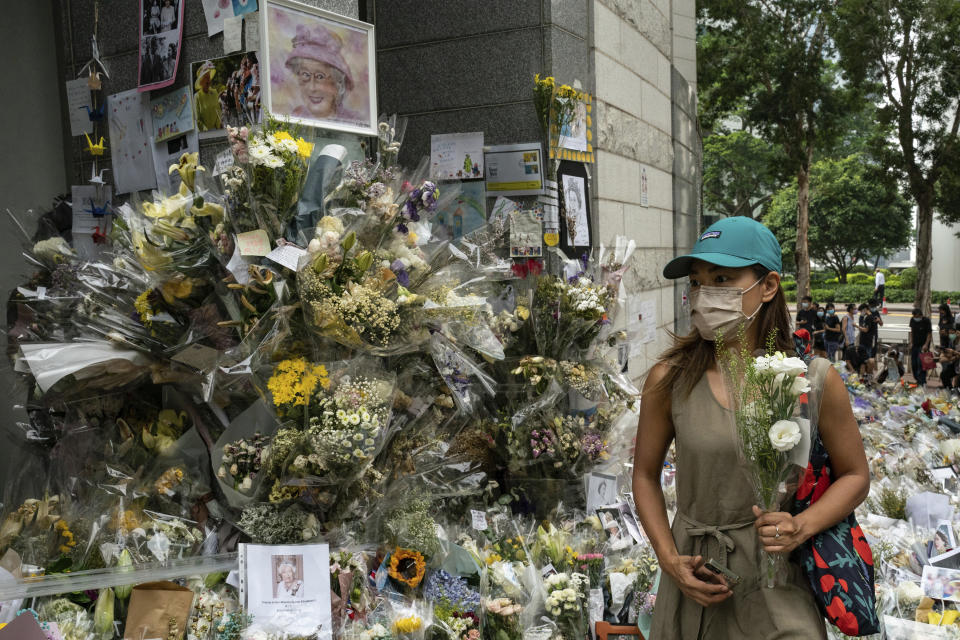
pixel 731 578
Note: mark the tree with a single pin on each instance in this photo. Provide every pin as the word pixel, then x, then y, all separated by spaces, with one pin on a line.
pixel 740 173
pixel 772 58
pixel 856 213
pixel 910 50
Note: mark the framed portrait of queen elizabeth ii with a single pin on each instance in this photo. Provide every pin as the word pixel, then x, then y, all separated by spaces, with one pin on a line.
pixel 320 68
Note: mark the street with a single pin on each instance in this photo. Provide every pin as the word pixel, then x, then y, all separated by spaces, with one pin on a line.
pixel 896 325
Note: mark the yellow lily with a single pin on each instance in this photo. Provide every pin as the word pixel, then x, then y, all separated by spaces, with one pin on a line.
pixel 187 168
pixel 211 209
pixel 151 257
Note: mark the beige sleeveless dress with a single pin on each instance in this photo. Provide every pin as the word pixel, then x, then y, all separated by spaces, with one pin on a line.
pixel 714 520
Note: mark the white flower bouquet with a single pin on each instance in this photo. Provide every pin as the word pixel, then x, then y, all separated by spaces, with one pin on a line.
pixel 765 391
pixel 566 601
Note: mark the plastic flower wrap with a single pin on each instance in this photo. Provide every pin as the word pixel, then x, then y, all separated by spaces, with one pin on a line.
pixel 455 605
pixel 565 601
pixel 276 160
pixel 567 314
pixel 410 620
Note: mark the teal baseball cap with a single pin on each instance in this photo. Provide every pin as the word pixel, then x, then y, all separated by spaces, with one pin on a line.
pixel 737 241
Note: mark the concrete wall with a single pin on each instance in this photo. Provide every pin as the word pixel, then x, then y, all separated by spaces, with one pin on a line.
pixel 645 116
pixel 31 167
pixel 945 265
pixel 455 67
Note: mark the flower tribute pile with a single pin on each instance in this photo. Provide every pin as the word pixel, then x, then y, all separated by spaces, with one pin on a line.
pixel 287 353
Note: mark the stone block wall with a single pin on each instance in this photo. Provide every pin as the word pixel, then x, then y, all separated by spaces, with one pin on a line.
pixel 637 120
pixel 454 67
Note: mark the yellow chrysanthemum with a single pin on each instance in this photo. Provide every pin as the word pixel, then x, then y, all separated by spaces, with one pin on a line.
pixel 143 307
pixel 293 381
pixel 408 624
pixel 282 135
pixel 304 148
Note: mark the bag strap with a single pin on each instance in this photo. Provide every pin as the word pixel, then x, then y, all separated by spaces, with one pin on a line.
pixel 817 375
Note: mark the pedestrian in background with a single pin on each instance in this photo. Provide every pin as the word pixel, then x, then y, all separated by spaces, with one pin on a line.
pixel 946 322
pixel 805 314
pixel 870 323
pixel 819 331
pixel 850 326
pixel 833 334
pixel 921 332
pixel 879 284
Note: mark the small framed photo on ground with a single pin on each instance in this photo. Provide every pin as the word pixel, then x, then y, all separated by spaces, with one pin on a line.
pixel 319 67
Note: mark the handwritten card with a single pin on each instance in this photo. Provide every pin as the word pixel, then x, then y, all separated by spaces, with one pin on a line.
pixel 526 233
pixel 172 114
pixel 456 156
pixel 128 114
pixel 78 102
pixel 251 27
pixel 223 162
pixel 232 34
pixel 287 255
pixel 254 243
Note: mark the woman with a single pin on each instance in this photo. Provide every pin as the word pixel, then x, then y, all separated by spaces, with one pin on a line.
pixel 321 75
pixel 833 335
pixel 155 17
pixel 849 326
pixel 288 585
pixel 945 323
pixel 949 361
pixel 168 16
pixel 735 280
pixel 819 331
pixel 205 99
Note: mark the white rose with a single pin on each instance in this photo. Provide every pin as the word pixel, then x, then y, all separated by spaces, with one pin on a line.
pixel 784 435
pixel 314 246
pixel 950 448
pixel 246 484
pixel 800 386
pixel 909 592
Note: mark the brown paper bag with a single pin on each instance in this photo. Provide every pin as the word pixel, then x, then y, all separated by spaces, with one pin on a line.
pixel 152 606
pixel 24 627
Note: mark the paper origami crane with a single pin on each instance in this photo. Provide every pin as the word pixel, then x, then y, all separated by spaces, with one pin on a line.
pixel 95 149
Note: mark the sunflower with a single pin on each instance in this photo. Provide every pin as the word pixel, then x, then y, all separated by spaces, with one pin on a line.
pixel 407 566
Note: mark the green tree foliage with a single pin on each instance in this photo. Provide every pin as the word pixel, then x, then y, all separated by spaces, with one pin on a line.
pixel 856 213
pixel 771 60
pixel 909 50
pixel 741 172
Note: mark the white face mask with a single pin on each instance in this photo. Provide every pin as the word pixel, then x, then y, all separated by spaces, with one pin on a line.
pixel 719 310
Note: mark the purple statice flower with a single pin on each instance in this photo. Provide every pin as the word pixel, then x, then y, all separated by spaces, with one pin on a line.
pixel 592 445
pixel 452 591
pixel 542 442
pixel 402 228
pixel 376 190
pixel 403 278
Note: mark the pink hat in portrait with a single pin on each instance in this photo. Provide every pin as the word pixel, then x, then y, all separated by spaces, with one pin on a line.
pixel 318 43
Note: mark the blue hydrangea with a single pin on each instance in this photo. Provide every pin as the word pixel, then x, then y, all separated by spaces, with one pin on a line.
pixel 452 591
